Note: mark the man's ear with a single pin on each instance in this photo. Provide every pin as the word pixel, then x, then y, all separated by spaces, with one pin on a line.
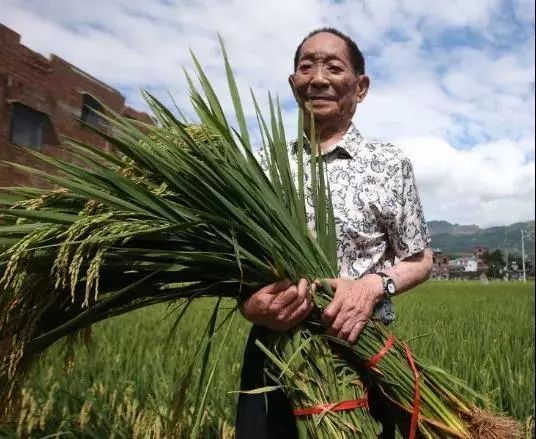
pixel 363 84
pixel 294 92
pixel 292 87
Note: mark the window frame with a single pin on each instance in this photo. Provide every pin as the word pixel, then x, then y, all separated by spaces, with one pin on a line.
pixel 39 122
pixel 88 115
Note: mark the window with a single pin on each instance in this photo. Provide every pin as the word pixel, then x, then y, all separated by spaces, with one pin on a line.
pixel 89 108
pixel 29 127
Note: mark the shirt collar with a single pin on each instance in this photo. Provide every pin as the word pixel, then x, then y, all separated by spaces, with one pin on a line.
pixel 346 148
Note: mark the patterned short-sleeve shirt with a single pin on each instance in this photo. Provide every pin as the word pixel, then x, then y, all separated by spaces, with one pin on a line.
pixel 376 205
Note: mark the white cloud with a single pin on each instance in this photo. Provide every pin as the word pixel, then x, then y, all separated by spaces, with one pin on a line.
pixel 452 83
pixel 493 180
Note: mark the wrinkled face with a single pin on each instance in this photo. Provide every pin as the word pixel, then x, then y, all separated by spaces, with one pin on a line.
pixel 324 80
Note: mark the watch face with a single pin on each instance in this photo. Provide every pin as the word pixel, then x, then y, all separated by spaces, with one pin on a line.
pixel 391 287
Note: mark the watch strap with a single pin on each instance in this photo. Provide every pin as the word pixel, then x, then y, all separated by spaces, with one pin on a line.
pixel 385 280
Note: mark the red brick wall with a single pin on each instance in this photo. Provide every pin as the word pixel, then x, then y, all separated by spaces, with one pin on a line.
pixel 54 87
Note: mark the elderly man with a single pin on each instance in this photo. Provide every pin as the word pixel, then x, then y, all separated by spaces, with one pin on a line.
pixel 382 236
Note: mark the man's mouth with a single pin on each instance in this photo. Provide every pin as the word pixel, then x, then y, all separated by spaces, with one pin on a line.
pixel 321 98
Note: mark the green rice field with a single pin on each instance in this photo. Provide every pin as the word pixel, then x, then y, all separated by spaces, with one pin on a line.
pixel 123 384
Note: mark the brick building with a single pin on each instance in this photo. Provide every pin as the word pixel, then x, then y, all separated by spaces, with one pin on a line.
pixel 466 266
pixel 440 267
pixel 43 99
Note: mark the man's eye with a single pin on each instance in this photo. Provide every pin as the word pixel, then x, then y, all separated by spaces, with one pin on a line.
pixel 303 68
pixel 335 69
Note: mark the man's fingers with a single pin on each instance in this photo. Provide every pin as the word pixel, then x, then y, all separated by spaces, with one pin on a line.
pixel 276 304
pixel 331 312
pixel 285 298
pixel 300 313
pixel 276 287
pixel 303 285
pixel 291 294
pixel 333 283
pixel 346 328
pixel 358 328
pixel 293 306
pixel 337 324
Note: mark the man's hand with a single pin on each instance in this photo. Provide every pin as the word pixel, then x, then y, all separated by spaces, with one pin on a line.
pixel 352 306
pixel 278 306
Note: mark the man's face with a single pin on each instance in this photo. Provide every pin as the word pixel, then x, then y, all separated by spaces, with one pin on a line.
pixel 324 80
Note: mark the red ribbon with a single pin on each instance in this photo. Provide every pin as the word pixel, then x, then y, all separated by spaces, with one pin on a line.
pixel 376 359
pixel 417 397
pixel 350 404
pixel 363 402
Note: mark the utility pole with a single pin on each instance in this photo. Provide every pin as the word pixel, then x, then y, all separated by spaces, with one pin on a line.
pixel 505 247
pixel 523 255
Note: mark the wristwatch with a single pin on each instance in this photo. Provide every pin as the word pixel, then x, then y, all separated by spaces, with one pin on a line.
pixel 389 287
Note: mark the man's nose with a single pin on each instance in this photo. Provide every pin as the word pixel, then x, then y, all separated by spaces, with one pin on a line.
pixel 319 77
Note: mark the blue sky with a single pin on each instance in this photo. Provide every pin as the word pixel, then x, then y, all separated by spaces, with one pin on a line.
pixel 452 82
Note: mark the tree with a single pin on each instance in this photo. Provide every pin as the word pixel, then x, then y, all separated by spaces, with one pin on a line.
pixel 495 262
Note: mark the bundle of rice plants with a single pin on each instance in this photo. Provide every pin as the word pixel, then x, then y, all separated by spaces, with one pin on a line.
pixel 180 211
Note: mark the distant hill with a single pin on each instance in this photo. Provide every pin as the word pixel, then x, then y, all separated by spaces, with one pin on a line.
pixel 440 227
pixel 456 238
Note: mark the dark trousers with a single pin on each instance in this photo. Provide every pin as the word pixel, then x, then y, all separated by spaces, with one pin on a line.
pixel 265 415
pixel 269 415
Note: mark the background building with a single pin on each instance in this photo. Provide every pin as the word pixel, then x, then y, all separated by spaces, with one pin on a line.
pixel 440 267
pixel 41 101
pixel 467 266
